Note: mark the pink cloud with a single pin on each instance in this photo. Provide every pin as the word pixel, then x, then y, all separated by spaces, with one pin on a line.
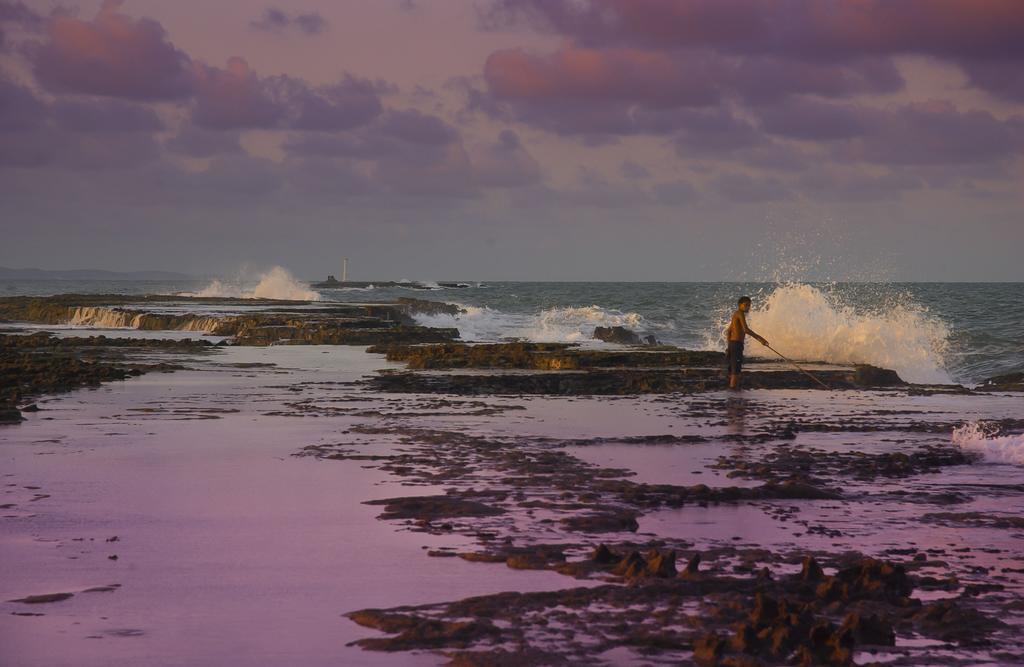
pixel 112 55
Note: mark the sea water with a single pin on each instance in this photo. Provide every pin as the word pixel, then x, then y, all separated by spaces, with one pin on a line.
pixel 927 332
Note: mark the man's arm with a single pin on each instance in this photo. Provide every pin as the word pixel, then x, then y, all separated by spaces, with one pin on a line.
pixel 750 332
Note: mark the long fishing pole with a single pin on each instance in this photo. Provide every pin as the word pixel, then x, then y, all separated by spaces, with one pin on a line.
pixel 795 365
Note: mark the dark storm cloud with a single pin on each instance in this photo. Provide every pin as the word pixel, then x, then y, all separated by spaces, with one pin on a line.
pixel 435 171
pixel 633 170
pixel 327 178
pixel 411 153
pixel 16 17
pixel 349 103
pixel 623 91
pixel 799 28
pixel 236 97
pixel 18 13
pixel 86 151
pixel 419 128
pixel 746 189
pixel 834 185
pixel 935 133
pixel 1002 78
pixel 112 55
pixel 505 164
pixel 765 79
pixel 713 132
pixel 278 21
pixel 199 143
pixel 19 108
pixel 675 193
pixel 105 116
pixel 360 144
pixel 813 120
pixel 601 76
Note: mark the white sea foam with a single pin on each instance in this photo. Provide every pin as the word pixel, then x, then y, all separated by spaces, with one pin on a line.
pixel 276 283
pixel 116 318
pixel 973 437
pixel 807 323
pixel 560 325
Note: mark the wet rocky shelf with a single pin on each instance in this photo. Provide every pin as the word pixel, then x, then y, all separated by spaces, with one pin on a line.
pixel 565 369
pixel 276 322
pixel 532 505
pixel 34 364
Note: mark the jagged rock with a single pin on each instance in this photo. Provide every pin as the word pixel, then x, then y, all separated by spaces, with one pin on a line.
pixel 632 566
pixel 617 334
pixel 603 522
pixel 10 416
pixel 870 629
pixel 872 376
pixel 424 307
pixel 948 621
pixel 603 555
pixel 811 571
pixel 708 649
pixel 692 566
pixel 1008 382
pixel 661 564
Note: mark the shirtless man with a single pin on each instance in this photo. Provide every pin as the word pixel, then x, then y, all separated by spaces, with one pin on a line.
pixel 735 334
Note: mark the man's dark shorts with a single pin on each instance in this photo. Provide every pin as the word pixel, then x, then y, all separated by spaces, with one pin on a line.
pixel 734 357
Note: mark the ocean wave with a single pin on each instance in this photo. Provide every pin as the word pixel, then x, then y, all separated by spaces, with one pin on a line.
pixel 807 323
pixel 276 283
pixel 973 437
pixel 568 324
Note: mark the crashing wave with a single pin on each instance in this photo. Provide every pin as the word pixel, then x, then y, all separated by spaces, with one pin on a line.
pixel 554 325
pixel 806 323
pixel 973 437
pixel 116 318
pixel 277 283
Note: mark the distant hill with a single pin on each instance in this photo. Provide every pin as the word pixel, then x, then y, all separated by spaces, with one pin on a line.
pixel 89 274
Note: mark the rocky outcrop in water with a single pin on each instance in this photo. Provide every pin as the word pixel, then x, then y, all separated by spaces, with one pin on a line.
pixel 597 381
pixel 1008 382
pixel 618 335
pixel 542 356
pixel 279 322
pixel 42 364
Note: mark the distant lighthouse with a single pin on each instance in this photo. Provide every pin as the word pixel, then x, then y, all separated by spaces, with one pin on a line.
pixel 344 270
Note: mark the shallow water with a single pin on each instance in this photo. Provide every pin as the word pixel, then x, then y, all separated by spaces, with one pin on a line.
pixel 230 550
pixel 929 332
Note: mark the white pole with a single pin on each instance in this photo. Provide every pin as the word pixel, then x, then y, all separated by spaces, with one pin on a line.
pixel 344 270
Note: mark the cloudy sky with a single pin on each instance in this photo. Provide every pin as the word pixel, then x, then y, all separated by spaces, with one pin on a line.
pixel 516 139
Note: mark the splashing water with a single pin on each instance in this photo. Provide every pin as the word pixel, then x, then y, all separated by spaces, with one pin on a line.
pixel 276 283
pixel 560 325
pixel 973 437
pixel 806 323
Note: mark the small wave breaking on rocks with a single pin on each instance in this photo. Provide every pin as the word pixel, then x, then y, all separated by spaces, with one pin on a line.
pixel 571 324
pixel 973 437
pixel 277 283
